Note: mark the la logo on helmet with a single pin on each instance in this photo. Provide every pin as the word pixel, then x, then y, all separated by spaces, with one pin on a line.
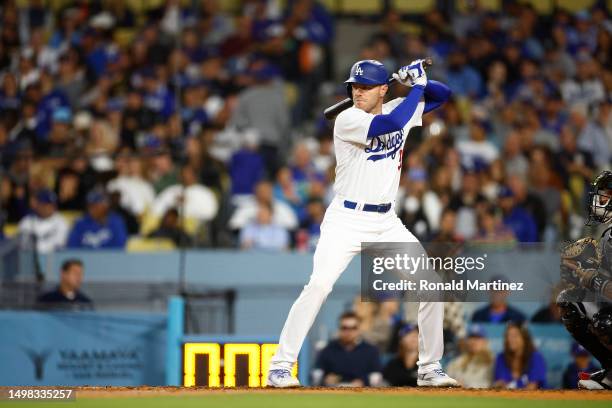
pixel 358 70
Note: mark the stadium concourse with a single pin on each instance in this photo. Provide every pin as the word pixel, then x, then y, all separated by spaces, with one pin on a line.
pixel 148 127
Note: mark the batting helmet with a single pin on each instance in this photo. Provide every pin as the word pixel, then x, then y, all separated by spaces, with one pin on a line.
pixel 366 72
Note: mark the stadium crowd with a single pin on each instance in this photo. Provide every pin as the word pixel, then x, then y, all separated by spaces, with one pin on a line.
pixel 179 121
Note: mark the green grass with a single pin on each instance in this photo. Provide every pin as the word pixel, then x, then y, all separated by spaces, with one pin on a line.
pixel 357 400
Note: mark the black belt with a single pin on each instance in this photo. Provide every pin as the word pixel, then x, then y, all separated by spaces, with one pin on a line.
pixel 379 208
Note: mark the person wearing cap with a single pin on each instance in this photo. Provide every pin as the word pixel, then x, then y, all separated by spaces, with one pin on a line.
pixel 99 228
pixel 582 362
pixel 401 371
pixel 498 310
pixel 473 368
pixel 516 217
pixel 44 227
pixel 61 134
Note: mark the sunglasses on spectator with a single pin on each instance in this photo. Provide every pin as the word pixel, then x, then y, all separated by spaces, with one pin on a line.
pixel 348 327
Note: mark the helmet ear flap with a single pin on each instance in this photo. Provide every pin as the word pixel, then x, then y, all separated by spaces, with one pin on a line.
pixel 349 90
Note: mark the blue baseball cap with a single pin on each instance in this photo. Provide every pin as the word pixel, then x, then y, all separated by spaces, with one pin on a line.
pixel 505 192
pixel 96 197
pixel 406 328
pixel 578 350
pixel 476 330
pixel 46 196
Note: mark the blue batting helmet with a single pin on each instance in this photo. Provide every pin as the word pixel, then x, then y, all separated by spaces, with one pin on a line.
pixel 367 72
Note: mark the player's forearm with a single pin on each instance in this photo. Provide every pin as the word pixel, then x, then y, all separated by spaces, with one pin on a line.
pixel 436 93
pixel 397 119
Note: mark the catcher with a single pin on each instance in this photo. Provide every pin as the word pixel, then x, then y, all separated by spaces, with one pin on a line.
pixel 586 268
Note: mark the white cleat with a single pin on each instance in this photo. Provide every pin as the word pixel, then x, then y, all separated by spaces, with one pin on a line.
pixel 436 378
pixel 282 379
pixel 590 385
pixel 599 380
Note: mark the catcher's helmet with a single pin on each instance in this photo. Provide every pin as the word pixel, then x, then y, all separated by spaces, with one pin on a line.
pixel 600 199
pixel 366 72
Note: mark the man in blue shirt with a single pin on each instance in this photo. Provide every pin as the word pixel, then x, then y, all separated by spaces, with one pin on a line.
pixel 99 228
pixel 516 217
pixel 498 310
pixel 348 360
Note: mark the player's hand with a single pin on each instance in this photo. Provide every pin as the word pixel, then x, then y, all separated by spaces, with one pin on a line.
pixel 332 379
pixel 414 72
pixel 402 77
pixel 568 272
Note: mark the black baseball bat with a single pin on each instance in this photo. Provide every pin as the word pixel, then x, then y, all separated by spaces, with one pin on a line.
pixel 331 112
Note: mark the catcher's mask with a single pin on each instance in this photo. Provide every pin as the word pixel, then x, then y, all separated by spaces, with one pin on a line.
pixel 600 199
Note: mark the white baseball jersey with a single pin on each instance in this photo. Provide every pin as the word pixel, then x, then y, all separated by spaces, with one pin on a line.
pixel 368 171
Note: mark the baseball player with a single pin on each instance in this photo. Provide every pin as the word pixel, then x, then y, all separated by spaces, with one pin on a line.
pixel 587 267
pixel 369 139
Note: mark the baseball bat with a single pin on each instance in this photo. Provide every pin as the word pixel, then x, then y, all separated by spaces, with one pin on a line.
pixel 331 112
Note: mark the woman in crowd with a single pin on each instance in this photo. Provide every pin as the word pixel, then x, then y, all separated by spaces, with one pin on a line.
pixel 519 365
pixel 401 371
pixel 473 368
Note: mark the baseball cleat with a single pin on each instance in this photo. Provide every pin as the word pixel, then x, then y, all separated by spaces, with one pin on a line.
pixel 282 379
pixel 599 380
pixel 436 378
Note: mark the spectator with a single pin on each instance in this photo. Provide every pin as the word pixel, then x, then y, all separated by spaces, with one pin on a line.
pixel 197 201
pixel 582 362
pixel 263 234
pixel 45 228
pixel 348 360
pixel 162 172
pixel 99 228
pixel 290 192
pixel 478 149
pixel 515 161
pixel 131 222
pixel 591 136
pixel 572 161
pixel 67 294
pixel 519 365
pixel 136 192
pixel 498 310
pixel 246 212
pixel 171 229
pixel 473 368
pixel 401 371
pixel 464 80
pixel 516 218
pixel 270 119
pixel 246 166
pixel 384 324
pixel 491 230
pixel 311 226
pixel 550 313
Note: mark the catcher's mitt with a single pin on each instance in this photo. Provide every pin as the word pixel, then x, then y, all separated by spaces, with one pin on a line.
pixel 579 258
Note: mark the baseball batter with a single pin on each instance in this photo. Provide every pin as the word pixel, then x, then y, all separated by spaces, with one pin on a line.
pixel 369 140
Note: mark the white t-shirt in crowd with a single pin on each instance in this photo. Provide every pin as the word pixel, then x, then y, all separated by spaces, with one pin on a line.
pixel 368 171
pixel 137 194
pixel 200 201
pixel 51 233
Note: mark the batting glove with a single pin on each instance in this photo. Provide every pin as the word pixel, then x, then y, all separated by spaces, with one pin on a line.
pixel 402 77
pixel 414 73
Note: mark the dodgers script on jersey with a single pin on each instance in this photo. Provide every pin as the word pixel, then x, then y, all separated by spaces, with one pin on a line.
pixel 369 170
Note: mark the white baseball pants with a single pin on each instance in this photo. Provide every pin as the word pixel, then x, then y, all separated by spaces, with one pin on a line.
pixel 342 232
